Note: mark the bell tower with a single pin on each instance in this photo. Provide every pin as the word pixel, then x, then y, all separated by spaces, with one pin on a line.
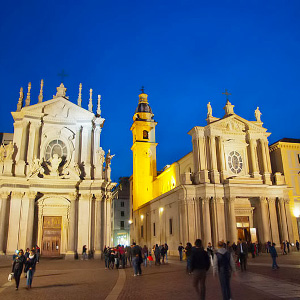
pixel 144 152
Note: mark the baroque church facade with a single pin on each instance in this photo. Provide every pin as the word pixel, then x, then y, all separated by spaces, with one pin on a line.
pixel 223 190
pixel 55 180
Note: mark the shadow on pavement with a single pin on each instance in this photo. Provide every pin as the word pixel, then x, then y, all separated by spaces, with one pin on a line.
pixel 50 275
pixel 55 285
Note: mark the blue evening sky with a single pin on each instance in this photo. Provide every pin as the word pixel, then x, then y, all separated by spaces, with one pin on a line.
pixel 185 53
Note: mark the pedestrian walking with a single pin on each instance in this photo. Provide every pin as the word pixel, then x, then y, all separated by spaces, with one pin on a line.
pixel 274 255
pixel 288 245
pixel 224 266
pixel 297 245
pixel 106 252
pixel 30 264
pixel 200 264
pixel 188 253
pixel 242 253
pixel 37 253
pixel 283 248
pixel 136 259
pixel 84 253
pixel 166 251
pixel 157 255
pixel 180 249
pixel 145 255
pixel 128 255
pixel 17 267
pixel 163 253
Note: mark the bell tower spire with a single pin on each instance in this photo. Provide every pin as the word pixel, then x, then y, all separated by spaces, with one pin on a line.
pixel 144 152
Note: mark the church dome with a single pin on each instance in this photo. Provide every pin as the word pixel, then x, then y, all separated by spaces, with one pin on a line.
pixel 143 107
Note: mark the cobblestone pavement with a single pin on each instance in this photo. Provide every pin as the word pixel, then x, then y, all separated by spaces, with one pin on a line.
pixel 60 279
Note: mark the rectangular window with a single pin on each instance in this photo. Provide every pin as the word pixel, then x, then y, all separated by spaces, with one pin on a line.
pixel 122 213
pixel 142 231
pixel 171 226
pixel 122 224
pixel 122 203
pixel 299 158
pixel 153 229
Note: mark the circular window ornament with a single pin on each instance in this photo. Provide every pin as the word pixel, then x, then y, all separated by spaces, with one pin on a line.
pixel 235 162
pixel 56 147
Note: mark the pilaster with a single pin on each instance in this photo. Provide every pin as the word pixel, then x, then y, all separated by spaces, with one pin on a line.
pixel 98 225
pixel 72 227
pixel 4 196
pixel 265 219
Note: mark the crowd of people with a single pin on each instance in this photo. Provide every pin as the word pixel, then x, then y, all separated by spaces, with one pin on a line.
pixel 25 262
pixel 135 255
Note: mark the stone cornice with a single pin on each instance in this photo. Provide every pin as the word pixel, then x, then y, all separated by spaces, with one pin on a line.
pixel 284 145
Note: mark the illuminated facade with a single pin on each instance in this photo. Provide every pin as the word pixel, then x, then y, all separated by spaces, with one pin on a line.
pixel 222 190
pixel 55 191
pixel 285 158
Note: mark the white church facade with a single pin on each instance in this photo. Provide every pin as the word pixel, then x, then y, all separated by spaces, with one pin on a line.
pixel 223 190
pixel 55 180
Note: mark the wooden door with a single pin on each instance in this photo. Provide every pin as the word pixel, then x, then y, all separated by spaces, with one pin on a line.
pixel 51 236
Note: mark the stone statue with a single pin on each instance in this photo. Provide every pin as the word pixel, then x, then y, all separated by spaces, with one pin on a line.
pixel 55 162
pixel 9 151
pixel 107 165
pixel 35 167
pixel 209 110
pixel 2 152
pixel 100 157
pixel 257 115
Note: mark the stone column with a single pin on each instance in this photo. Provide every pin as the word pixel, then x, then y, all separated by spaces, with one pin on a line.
pixel 283 220
pixel 266 174
pixel 222 159
pixel 78 144
pixel 214 174
pixel 196 155
pixel 33 129
pixel 206 221
pixel 20 166
pixel 203 158
pixel 253 160
pixel 30 220
pixel 98 219
pixel 289 220
pixel 72 227
pixel 274 222
pixel 104 224
pixel 86 150
pixel 108 221
pixel 232 220
pixel 14 222
pixel 265 219
pixel 2 221
pixel 220 219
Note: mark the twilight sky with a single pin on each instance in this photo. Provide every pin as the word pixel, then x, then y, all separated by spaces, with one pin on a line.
pixel 185 53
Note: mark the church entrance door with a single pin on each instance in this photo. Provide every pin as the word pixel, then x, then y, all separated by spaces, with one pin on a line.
pixel 243 228
pixel 51 236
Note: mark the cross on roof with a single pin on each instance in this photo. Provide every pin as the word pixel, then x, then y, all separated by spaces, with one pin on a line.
pixel 143 89
pixel 62 75
pixel 226 93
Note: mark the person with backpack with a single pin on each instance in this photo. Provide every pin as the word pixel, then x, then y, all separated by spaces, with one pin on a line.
pixel 224 266
pixel 200 264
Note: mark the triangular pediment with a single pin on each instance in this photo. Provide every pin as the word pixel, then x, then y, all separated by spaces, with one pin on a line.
pixel 57 108
pixel 235 123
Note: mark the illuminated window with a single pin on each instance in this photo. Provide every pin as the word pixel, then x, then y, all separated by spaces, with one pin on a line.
pixel 142 231
pixel 145 135
pixel 153 229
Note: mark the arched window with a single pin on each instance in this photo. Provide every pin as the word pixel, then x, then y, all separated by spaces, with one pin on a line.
pixel 145 135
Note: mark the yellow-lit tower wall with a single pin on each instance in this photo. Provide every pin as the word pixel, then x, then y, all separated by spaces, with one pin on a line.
pixel 144 153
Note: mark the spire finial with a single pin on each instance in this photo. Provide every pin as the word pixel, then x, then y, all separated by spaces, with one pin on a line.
pixel 227 94
pixel 27 101
pixel 90 101
pixel 41 92
pixel 98 106
pixel 79 100
pixel 20 102
pixel 143 89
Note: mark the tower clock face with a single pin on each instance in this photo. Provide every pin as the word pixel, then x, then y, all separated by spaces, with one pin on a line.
pixel 235 162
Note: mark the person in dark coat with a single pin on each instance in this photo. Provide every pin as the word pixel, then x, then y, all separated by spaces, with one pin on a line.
pixel 274 255
pixel 200 264
pixel 180 249
pixel 297 245
pixel 242 253
pixel 157 255
pixel 163 253
pixel 224 266
pixel 137 259
pixel 30 264
pixel 17 267
pixel 188 253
